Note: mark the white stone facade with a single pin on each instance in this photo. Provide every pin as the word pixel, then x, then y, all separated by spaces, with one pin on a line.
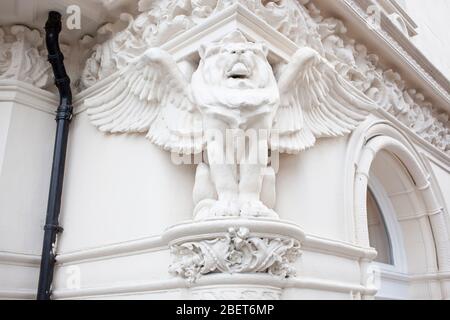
pixel 358 104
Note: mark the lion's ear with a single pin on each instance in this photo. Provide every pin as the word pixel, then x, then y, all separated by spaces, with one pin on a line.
pixel 202 51
pixel 264 49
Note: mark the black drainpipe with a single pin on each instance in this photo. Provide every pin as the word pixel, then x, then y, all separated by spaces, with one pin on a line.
pixel 63 117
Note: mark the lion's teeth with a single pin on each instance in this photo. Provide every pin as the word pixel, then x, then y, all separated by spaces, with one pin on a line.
pixel 239 69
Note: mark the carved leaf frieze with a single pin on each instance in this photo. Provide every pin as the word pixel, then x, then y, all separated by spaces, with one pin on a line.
pixel 389 90
pixel 161 20
pixel 385 86
pixel 236 252
pixel 22 56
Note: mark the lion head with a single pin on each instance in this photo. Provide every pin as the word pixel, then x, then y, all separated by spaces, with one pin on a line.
pixel 234 73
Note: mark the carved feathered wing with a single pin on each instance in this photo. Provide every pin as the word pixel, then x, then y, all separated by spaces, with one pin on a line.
pixel 151 95
pixel 316 102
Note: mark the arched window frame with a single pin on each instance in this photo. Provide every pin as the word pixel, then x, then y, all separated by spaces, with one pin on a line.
pixel 393 229
pixel 373 136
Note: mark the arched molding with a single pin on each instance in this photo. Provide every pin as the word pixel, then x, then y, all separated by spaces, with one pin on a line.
pixel 393 227
pixel 375 138
pixel 366 143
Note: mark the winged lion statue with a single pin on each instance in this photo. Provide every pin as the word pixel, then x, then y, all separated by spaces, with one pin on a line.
pixel 234 90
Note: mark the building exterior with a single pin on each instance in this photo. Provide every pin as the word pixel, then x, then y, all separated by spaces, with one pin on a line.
pixel 361 213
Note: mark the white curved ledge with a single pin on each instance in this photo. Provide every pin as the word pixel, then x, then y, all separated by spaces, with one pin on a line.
pixel 264 281
pixel 189 231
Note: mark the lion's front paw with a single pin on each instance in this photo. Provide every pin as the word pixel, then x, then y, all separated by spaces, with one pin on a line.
pixel 225 209
pixel 257 209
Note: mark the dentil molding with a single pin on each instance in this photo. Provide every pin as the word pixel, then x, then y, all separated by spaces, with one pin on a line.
pixel 28 95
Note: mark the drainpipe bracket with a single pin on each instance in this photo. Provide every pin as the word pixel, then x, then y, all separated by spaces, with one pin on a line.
pixel 55 227
pixel 64 113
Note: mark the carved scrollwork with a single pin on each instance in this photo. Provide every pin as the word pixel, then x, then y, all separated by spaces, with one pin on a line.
pixel 161 20
pixel 22 56
pixel 385 86
pixel 236 252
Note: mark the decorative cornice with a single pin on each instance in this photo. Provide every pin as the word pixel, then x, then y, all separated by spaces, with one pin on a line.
pixel 19 259
pixel 430 149
pixel 343 249
pixel 403 47
pixel 133 247
pixel 179 30
pixel 28 95
pixel 386 87
pixel 22 56
pixel 24 294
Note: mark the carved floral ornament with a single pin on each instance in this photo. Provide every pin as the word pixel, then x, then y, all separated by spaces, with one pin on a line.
pixel 236 252
pixel 22 56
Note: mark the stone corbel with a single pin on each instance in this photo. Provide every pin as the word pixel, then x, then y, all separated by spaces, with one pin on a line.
pixel 238 248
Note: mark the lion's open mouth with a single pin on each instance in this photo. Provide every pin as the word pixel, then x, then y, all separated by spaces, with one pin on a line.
pixel 238 71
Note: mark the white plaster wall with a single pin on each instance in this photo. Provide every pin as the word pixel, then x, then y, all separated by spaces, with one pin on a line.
pixel 5 118
pixel 443 178
pixel 128 188
pixel 26 149
pixel 432 18
pixel 310 189
pixel 122 187
pixel 24 179
pixel 119 188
